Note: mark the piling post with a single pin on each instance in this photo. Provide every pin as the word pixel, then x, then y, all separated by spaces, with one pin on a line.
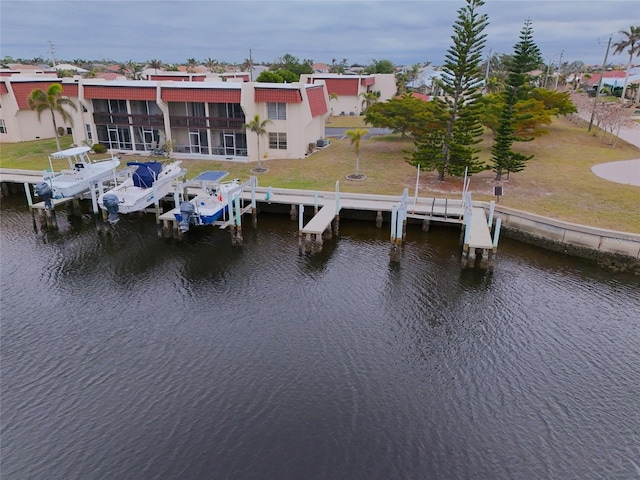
pixel 76 210
pixel 492 207
pixel 300 222
pixel 400 235
pixel 426 224
pixel 4 190
pixel 379 219
pixel 52 221
pixel 318 242
pixel 315 202
pixel 94 198
pixel 254 209
pixel 394 221
pixel 27 191
pixel 239 239
pixel 336 220
pixel 496 233
pixel 307 243
pixel 293 212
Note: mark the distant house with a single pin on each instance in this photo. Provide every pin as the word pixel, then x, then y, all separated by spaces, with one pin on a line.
pixel 347 90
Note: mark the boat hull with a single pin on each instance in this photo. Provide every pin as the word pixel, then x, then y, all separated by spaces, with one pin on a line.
pixel 72 182
pixel 132 198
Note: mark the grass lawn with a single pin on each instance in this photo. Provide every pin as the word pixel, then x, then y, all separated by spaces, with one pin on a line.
pixel 557 182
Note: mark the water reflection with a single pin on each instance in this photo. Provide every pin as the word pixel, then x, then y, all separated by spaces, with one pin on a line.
pixel 128 355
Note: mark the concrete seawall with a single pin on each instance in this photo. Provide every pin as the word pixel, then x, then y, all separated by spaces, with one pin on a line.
pixel 617 250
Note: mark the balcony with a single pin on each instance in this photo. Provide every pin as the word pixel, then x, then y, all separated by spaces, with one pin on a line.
pixel 104 118
pixel 217 123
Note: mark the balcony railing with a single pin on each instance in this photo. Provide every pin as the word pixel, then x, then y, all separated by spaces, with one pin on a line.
pixel 102 118
pixel 105 118
pixel 206 122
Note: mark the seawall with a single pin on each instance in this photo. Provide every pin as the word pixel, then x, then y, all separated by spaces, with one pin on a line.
pixel 619 251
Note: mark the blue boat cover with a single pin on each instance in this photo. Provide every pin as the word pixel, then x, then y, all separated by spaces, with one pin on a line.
pixel 146 173
pixel 212 176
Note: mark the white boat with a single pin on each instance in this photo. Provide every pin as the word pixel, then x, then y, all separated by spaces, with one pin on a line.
pixel 146 183
pixel 81 174
pixel 211 205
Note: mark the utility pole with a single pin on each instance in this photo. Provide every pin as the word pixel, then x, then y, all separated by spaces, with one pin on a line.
pixel 250 67
pixel 559 69
pixel 52 50
pixel 595 99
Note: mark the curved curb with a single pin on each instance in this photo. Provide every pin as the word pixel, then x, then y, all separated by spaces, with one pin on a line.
pixel 625 171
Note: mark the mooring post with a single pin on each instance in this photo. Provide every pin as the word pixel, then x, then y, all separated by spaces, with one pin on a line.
pixel 426 224
pixel 318 242
pixel 492 207
pixel 239 239
pixel 94 198
pixel 254 209
pixel 394 221
pixel 4 190
pixel 27 192
pixel 400 228
pixel 293 212
pixel 307 243
pixel 336 220
pixel 52 221
pixel 76 210
pixel 496 233
pixel 315 202
pixel 379 219
pixel 300 222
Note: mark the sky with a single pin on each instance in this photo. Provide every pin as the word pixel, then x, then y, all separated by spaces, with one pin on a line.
pixel 404 32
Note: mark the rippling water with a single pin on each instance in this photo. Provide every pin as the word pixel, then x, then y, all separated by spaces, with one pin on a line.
pixel 129 356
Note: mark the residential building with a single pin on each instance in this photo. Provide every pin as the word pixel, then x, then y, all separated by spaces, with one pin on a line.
pixel 346 91
pixel 201 119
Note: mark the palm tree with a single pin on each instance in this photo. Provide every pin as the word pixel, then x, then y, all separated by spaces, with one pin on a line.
pixel 155 64
pixel 333 96
pixel 258 126
pixel 52 100
pixel 369 98
pixel 211 64
pixel 630 40
pixel 355 136
pixel 191 65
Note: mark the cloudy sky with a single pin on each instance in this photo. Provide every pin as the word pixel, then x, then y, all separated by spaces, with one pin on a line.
pixel 405 32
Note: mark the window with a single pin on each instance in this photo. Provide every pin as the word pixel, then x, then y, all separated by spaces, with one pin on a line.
pixel 277 111
pixel 89 136
pixel 3 128
pixel 278 141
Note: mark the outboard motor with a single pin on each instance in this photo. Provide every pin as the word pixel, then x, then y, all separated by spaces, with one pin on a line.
pixel 187 211
pixel 110 202
pixel 43 190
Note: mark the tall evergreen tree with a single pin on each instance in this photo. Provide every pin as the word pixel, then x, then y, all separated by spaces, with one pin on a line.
pixel 451 148
pixel 526 57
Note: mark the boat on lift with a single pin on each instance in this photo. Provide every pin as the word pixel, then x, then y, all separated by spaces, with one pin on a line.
pixel 146 183
pixel 81 174
pixel 209 206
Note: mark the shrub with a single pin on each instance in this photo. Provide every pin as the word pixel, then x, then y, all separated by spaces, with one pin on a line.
pixel 99 148
pixel 60 131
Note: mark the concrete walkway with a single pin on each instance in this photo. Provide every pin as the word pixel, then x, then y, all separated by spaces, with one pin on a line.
pixel 625 171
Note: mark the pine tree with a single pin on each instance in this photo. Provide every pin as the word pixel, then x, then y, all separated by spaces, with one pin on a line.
pixel 451 149
pixel 526 57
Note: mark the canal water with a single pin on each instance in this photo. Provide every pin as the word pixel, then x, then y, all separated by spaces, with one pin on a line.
pixel 132 357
